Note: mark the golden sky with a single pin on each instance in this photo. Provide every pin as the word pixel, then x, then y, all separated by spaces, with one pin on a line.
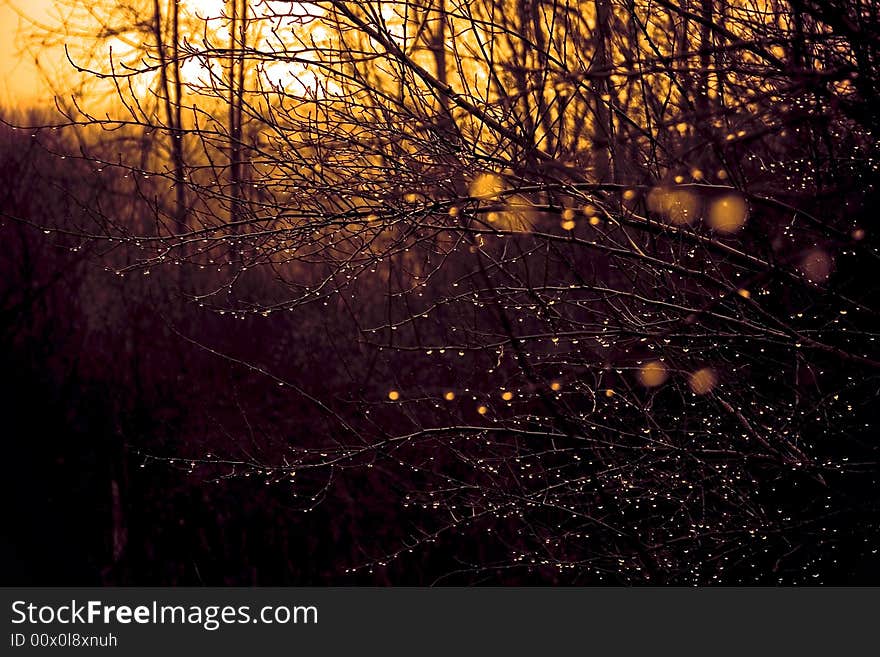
pixel 25 64
pixel 21 81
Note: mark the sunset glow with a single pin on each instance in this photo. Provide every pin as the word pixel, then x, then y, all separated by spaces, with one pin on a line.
pixel 496 292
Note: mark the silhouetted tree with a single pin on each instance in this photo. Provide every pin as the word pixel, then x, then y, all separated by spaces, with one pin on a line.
pixel 583 291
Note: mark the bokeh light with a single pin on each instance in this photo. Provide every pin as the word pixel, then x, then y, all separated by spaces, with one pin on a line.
pixel 728 213
pixel 703 381
pixel 653 374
